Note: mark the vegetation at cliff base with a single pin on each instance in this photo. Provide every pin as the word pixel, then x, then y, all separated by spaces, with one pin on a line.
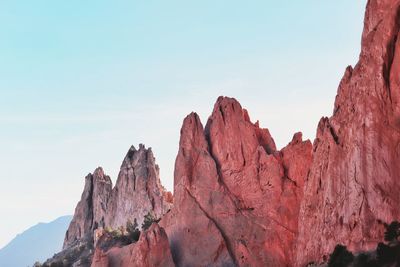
pixel 387 253
pixel 340 257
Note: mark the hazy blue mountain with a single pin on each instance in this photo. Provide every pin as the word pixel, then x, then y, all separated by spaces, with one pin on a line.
pixel 35 244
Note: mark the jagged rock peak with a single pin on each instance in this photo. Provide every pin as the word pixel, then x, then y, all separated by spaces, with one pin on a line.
pixel 99 175
pixel 133 153
pixel 297 138
pixel 230 118
pixel 234 192
pixel 91 209
pixel 191 131
pixel 138 189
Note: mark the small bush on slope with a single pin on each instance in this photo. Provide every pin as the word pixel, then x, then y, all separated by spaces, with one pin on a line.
pixel 340 257
pixel 133 231
pixel 386 254
pixel 148 221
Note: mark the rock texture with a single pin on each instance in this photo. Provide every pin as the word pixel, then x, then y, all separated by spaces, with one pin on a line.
pixel 238 201
pixel 354 182
pixel 151 250
pixel 138 191
pixel 237 198
pixel 91 210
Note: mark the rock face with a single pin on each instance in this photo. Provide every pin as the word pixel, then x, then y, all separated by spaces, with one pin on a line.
pixel 138 191
pixel 91 210
pixel 151 250
pixel 237 198
pixel 354 182
pixel 238 201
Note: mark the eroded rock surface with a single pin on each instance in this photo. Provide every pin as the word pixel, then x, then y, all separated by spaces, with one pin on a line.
pixel 236 197
pixel 241 202
pixel 138 190
pixel 91 210
pixel 354 182
pixel 151 250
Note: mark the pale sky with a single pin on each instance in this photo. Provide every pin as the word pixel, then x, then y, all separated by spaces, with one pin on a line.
pixel 82 81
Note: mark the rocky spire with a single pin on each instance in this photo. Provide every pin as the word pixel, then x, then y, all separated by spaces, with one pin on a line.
pixel 91 210
pixel 138 190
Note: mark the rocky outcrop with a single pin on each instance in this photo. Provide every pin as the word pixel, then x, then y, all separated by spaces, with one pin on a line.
pixel 236 197
pixel 241 202
pixel 91 210
pixel 151 250
pixel 353 183
pixel 138 190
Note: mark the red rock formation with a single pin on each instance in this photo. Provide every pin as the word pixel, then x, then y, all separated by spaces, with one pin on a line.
pixel 240 201
pixel 236 197
pixel 91 209
pixel 354 179
pixel 151 250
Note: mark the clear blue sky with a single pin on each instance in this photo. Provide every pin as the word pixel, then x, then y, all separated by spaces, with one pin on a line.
pixel 80 81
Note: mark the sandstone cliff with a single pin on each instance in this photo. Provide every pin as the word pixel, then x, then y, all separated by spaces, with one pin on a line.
pixel 237 198
pixel 138 191
pixel 354 182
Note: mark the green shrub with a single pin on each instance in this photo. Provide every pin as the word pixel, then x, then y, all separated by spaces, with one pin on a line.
pixel 392 231
pixel 386 254
pixel 148 221
pixel 132 230
pixel 116 233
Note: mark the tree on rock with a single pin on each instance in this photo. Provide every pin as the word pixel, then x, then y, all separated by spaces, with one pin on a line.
pixel 133 231
pixel 148 221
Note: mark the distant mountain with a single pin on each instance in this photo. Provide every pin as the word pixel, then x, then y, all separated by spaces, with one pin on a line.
pixel 35 244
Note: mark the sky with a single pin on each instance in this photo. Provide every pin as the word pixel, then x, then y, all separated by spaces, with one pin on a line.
pixel 82 81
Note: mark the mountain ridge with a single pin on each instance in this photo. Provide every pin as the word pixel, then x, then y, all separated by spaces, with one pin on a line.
pixel 37 243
